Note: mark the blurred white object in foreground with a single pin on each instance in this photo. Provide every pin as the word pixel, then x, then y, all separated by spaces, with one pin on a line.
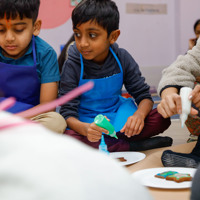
pixel 36 164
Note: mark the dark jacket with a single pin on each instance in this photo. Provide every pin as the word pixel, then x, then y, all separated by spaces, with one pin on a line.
pixel 132 79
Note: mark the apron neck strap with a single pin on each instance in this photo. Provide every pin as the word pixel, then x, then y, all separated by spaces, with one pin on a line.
pixel 82 66
pixel 116 58
pixel 113 53
pixel 34 51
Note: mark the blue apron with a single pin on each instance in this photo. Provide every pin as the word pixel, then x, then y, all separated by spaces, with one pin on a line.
pixel 21 82
pixel 105 98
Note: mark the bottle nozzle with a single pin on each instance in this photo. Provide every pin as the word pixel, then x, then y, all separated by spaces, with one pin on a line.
pixel 103 146
pixel 114 135
pixel 183 118
pixel 186 104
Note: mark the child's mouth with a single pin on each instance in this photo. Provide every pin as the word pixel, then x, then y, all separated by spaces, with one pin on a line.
pixel 85 52
pixel 11 48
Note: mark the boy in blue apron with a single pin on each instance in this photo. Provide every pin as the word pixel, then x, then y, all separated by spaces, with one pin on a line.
pixel 28 65
pixel 95 56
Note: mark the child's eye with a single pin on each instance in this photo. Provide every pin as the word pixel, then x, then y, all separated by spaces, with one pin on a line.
pixel 77 34
pixel 93 35
pixel 19 30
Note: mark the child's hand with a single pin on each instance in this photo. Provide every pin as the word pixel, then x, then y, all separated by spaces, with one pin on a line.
pixel 94 132
pixel 192 42
pixel 195 97
pixel 134 125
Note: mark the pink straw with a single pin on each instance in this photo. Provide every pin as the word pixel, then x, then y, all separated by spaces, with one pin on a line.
pixel 15 124
pixel 7 103
pixel 60 101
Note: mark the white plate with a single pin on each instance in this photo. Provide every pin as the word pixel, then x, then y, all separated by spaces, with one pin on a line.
pixel 130 157
pixel 147 177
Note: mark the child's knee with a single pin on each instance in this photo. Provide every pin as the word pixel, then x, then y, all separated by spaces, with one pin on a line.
pixel 164 122
pixel 52 120
pixel 56 122
pixel 161 123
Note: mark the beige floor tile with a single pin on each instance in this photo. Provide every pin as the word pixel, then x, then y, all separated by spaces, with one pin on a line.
pixel 179 134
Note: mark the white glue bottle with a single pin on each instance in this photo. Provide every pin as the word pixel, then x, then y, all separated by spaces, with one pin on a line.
pixel 186 104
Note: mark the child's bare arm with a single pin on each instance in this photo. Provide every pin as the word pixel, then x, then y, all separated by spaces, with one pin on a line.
pixel 48 92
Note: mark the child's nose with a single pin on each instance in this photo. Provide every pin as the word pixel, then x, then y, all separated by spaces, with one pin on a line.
pixel 84 42
pixel 9 36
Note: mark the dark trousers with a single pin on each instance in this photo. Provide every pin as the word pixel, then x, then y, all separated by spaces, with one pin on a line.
pixel 154 124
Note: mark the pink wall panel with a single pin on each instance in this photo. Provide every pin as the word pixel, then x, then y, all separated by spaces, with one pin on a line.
pixel 54 13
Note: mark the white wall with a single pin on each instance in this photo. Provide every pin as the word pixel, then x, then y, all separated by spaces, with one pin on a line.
pixel 57 36
pixel 149 38
pixel 189 13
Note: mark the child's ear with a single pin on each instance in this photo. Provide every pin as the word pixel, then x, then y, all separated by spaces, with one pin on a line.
pixel 114 36
pixel 37 27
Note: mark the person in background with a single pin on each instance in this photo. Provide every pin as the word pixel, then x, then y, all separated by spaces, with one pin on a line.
pixel 96 56
pixel 193 120
pixel 183 72
pixel 28 65
pixel 64 53
pixel 193 41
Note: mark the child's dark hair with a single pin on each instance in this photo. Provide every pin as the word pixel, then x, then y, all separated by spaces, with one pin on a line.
pixel 195 24
pixel 104 12
pixel 62 56
pixel 24 8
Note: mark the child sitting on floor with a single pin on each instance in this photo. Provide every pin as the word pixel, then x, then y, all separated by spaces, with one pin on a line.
pixel 95 56
pixel 28 65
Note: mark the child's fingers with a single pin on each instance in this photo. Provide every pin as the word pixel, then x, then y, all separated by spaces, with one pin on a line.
pixel 91 132
pixel 106 118
pixel 98 129
pixel 123 129
pixel 135 127
pixel 93 138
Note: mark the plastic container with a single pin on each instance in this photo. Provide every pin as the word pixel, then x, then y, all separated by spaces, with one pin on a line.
pixel 102 122
pixel 103 146
pixel 186 104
